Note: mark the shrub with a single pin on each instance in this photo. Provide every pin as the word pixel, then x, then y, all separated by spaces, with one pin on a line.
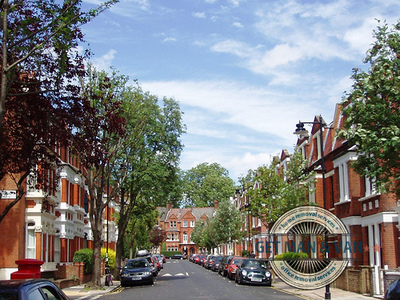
pixel 86 256
pixel 170 253
pixel 291 256
pixel 111 257
pixel 246 253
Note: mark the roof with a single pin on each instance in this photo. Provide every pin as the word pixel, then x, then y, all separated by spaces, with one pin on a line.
pixel 198 213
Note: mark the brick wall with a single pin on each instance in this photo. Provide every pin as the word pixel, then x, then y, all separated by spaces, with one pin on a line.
pixel 390 255
pixel 355 280
pixel 12 228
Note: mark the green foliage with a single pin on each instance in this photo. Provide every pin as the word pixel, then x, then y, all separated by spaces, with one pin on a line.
pixel 205 183
pixel 372 113
pixel 168 254
pixel 86 256
pixel 140 225
pixel 271 194
pixel 111 257
pixel 227 223
pixel 245 253
pixel 291 256
pixel 224 227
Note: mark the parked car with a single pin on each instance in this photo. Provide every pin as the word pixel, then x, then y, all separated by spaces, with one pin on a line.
pixel 233 266
pixel 253 271
pixel 30 289
pixel 223 265
pixel 196 259
pixel 177 256
pixel 152 261
pixel 203 260
pixel 209 260
pixel 160 260
pixel 215 264
pixel 192 257
pixel 157 262
pixel 137 270
pixel 164 260
pixel 393 291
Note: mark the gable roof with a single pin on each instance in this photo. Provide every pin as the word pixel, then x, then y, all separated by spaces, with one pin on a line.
pixel 180 213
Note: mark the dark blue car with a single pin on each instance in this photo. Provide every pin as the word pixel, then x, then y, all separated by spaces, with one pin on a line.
pixel 24 289
pixel 393 291
pixel 136 271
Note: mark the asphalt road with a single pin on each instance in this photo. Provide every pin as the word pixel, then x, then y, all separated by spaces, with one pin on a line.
pixel 181 279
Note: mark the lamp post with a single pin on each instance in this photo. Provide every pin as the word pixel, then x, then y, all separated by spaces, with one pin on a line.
pixel 301 131
pixel 108 191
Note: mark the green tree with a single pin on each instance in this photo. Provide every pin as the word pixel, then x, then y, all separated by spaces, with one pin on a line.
pixel 141 223
pixel 226 225
pixel 204 235
pixel 41 38
pixel 205 183
pixel 146 170
pixel 372 111
pixel 271 194
pixel 39 95
pixel 96 144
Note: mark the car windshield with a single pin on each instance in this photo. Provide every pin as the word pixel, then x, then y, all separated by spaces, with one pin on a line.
pixel 236 261
pixel 254 264
pixel 135 264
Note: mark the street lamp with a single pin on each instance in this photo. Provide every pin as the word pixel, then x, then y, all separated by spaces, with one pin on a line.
pixel 301 131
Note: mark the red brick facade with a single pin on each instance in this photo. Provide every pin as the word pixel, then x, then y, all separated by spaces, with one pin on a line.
pixel 49 227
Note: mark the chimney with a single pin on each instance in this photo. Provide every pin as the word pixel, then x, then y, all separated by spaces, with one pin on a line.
pixel 216 203
pixel 169 206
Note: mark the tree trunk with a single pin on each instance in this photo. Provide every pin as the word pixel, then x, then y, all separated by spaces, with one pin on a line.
pixel 4 64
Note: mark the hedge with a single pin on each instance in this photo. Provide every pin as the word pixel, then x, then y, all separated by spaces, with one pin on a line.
pixel 86 256
pixel 291 256
pixel 170 253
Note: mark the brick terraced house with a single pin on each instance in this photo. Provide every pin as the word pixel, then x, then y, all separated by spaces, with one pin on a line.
pixel 179 224
pixel 49 227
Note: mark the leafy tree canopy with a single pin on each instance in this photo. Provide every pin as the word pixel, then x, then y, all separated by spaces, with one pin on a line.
pixel 271 194
pixel 372 111
pixel 205 183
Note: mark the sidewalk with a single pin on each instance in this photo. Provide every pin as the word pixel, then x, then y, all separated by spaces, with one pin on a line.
pixel 336 294
pixel 319 293
pixel 82 291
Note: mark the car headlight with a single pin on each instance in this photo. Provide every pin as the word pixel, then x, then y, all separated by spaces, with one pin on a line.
pixel 147 273
pixel 267 274
pixel 124 275
pixel 244 272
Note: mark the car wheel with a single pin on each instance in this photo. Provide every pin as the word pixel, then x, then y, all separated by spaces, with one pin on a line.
pixel 123 284
pixel 240 280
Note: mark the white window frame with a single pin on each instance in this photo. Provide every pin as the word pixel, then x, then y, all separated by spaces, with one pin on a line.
pixel 342 163
pixel 30 249
pixel 185 238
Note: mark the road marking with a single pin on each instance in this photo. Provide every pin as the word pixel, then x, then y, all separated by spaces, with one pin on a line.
pixel 178 274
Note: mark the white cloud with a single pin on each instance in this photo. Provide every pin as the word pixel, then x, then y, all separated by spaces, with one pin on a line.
pixel 360 38
pixel 200 15
pixel 237 48
pixel 105 61
pixel 169 39
pixel 237 24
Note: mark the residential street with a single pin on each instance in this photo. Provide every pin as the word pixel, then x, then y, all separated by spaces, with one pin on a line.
pixel 181 279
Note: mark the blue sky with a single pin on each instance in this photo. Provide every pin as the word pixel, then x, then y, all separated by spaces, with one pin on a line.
pixel 244 72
